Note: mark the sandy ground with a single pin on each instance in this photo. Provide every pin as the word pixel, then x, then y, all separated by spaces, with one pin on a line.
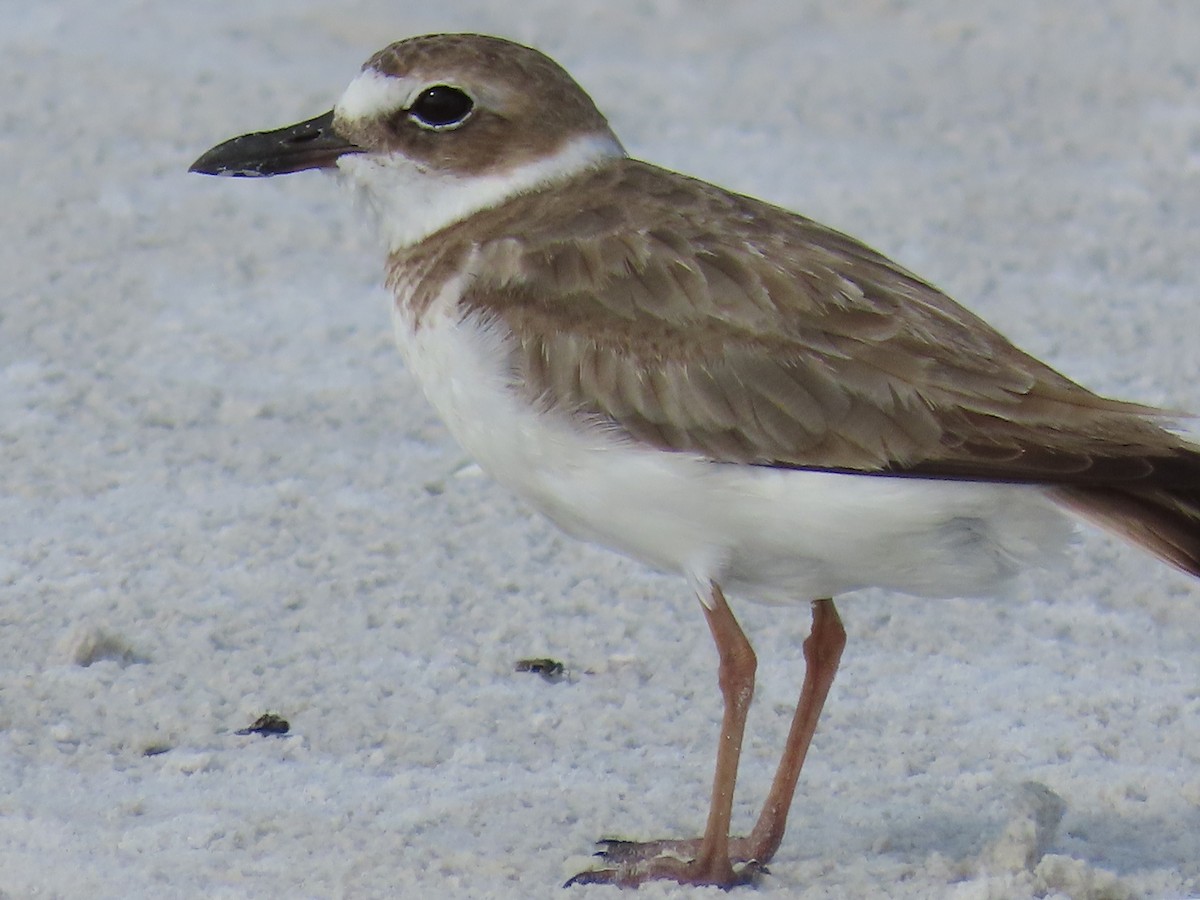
pixel 221 495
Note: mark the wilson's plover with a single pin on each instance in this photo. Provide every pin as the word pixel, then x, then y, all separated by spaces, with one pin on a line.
pixel 711 384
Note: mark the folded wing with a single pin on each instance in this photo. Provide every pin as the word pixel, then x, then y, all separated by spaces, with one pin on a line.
pixel 708 323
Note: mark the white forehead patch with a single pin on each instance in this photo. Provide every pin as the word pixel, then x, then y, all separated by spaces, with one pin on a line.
pixel 372 94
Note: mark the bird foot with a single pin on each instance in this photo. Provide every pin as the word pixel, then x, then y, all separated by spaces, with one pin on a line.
pixel 630 863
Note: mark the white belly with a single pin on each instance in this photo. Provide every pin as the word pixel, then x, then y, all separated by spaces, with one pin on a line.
pixel 774 535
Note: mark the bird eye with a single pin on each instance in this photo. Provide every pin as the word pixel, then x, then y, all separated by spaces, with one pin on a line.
pixel 441 107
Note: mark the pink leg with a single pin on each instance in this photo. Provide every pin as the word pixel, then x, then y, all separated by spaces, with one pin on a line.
pixel 712 863
pixel 822 652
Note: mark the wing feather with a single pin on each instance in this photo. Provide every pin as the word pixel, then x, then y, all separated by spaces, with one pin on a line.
pixel 704 322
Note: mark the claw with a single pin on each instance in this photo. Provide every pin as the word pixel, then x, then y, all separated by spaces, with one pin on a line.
pixel 664 868
pixel 594 876
pixel 621 850
pixel 591 876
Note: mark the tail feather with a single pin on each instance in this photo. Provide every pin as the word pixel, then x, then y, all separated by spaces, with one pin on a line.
pixel 1163 520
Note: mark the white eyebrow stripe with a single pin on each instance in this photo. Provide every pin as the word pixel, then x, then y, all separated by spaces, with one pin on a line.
pixel 372 94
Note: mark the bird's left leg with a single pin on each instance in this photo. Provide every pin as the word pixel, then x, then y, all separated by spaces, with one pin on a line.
pixel 710 861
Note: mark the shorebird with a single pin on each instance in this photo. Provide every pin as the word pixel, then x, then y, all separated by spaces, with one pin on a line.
pixel 711 384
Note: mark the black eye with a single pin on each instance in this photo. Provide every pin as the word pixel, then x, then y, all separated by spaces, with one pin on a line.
pixel 441 106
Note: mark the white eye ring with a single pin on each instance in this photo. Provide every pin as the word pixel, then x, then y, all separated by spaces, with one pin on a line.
pixel 441 107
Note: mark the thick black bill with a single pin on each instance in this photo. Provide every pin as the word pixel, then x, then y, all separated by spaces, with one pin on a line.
pixel 309 145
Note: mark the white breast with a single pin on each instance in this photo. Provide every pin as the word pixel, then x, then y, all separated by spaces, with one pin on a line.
pixel 776 535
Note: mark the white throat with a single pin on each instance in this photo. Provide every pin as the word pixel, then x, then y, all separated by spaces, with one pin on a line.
pixel 412 202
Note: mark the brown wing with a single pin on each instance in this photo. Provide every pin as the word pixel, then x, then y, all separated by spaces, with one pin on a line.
pixel 706 322
pixel 709 323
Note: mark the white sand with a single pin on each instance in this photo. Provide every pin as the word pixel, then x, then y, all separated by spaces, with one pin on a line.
pixel 220 488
